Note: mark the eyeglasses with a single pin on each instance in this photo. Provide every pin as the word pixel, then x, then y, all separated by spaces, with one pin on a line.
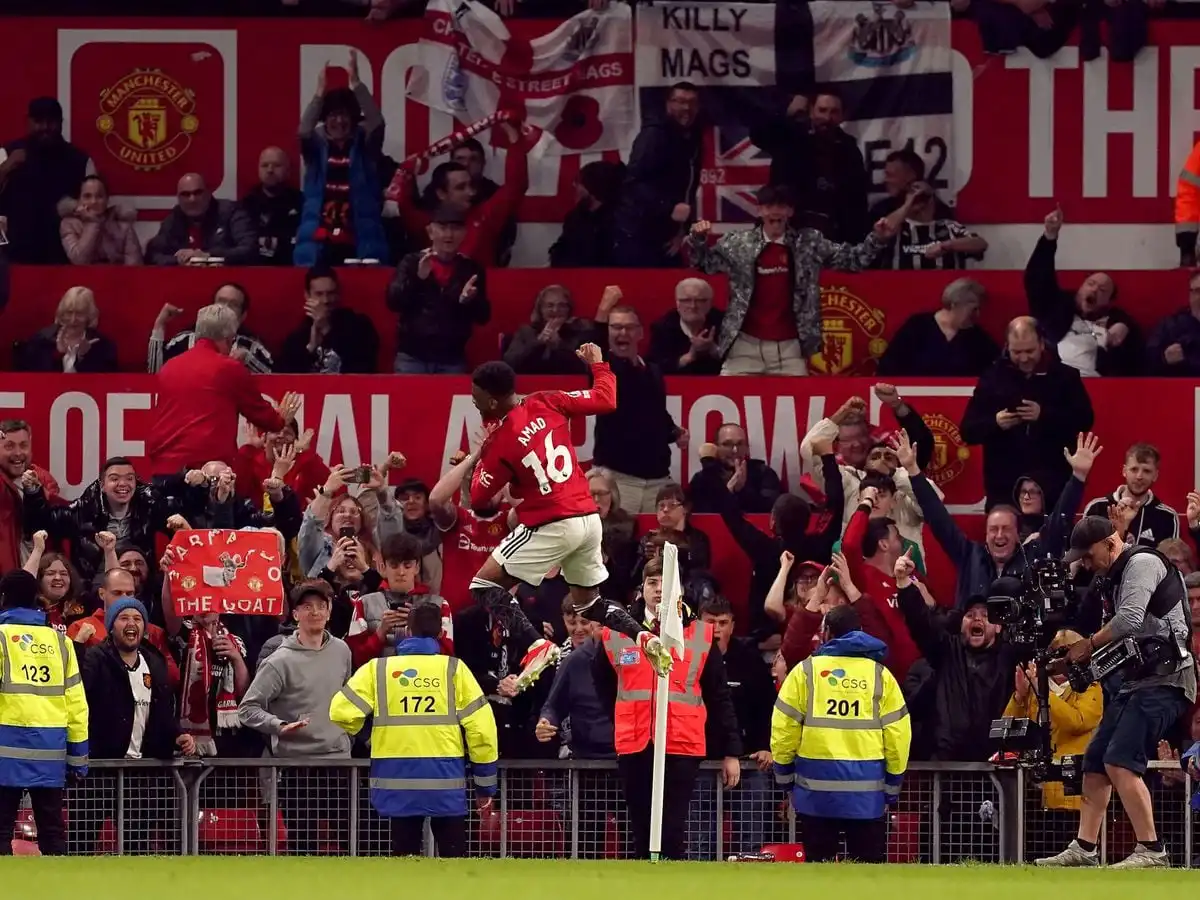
pixel 669 506
pixel 1030 492
pixel 596 495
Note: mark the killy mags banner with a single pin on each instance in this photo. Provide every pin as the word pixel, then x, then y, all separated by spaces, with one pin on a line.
pixel 891 67
pixel 222 570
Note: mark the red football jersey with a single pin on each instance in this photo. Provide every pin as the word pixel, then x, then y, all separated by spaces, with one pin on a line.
pixel 465 546
pixel 531 451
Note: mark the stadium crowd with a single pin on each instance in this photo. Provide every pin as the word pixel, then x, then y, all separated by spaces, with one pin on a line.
pixel 366 546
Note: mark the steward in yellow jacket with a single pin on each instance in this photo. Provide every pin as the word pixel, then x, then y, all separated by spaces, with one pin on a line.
pixel 422 703
pixel 840 734
pixel 43 715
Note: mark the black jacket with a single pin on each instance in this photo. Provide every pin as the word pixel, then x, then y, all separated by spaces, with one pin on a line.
pixel 529 356
pixel 241 512
pixel 920 349
pixel 350 348
pixel 663 170
pixel 753 692
pixel 587 239
pixel 225 231
pixel 668 344
pixel 1055 311
pixel 722 735
pixel 86 515
pixel 636 438
pixel 1066 411
pixel 276 220
pixel 573 695
pixel 110 704
pixel 764 550
pixel 825 173
pixel 40 353
pixel 435 324
pixel 970 687
pixel 1182 328
pixel 30 198
pixel 758 495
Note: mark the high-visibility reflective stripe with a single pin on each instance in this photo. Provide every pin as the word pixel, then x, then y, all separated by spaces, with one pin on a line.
pixel 485 780
pixel 359 703
pixel 686 699
pixel 845 787
pixel 698 646
pixel 38 690
pixel 1187 227
pixel 894 716
pixel 418 784
pixel 839 724
pixel 72 681
pixel 790 711
pixel 384 717
pixel 893 789
pixel 632 696
pixel 77 761
pixel 789 778
pixel 1190 177
pixel 24 753
pixel 474 706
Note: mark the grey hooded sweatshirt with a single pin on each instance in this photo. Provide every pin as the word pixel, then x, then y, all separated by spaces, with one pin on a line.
pixel 294 683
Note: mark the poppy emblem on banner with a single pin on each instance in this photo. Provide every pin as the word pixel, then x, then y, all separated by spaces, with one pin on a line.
pixel 147 119
pixel 950 451
pixel 851 335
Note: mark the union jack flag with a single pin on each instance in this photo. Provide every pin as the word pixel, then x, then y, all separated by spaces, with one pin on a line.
pixel 731 171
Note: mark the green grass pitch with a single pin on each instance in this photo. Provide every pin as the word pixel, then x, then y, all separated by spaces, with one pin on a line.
pixel 114 878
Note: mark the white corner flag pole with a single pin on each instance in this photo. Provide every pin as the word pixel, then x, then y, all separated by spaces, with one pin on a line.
pixel 670 632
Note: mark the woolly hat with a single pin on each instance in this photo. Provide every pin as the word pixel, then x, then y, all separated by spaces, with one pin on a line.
pixel 110 614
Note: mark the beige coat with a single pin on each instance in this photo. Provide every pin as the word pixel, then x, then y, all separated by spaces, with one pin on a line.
pixel 112 240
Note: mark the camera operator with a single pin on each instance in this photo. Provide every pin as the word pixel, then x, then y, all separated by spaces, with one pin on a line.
pixel 1144 598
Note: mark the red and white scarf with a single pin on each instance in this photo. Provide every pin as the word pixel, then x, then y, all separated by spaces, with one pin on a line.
pixel 197 687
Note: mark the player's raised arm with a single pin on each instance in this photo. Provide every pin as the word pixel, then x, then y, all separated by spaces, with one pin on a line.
pixel 601 397
pixel 490 475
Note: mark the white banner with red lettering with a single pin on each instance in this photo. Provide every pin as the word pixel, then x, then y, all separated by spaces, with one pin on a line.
pixel 574 83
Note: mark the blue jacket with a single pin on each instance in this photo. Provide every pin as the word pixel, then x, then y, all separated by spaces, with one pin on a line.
pixel 976 569
pixel 366 198
pixel 573 694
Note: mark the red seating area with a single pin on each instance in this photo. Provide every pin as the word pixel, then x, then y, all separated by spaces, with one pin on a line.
pixel 868 307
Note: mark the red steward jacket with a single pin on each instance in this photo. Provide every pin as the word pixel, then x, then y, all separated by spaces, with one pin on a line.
pixel 201 393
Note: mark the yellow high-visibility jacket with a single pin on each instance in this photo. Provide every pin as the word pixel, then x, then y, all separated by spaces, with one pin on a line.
pixel 1073 718
pixel 422 703
pixel 43 709
pixel 840 731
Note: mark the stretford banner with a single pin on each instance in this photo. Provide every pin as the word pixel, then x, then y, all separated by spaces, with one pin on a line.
pixel 79 420
pixel 152 99
pixel 221 570
pixel 574 82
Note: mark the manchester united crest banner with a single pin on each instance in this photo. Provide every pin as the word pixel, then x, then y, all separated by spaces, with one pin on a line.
pixel 891 68
pixel 222 570
pixel 574 83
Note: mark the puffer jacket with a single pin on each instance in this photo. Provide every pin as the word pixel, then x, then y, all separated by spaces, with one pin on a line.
pixel 80 521
pixel 112 240
pixel 736 254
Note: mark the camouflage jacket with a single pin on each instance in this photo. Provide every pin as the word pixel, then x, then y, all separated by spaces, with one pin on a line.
pixel 736 254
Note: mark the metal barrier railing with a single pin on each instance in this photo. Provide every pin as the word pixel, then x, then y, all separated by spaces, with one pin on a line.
pixel 947 812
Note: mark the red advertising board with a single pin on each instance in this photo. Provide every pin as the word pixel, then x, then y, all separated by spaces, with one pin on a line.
pixel 78 421
pixel 152 99
pixel 861 312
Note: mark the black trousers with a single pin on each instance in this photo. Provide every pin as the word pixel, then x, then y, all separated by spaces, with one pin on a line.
pixel 308 796
pixel 866 839
pixel 637 771
pixel 449 835
pixel 47 815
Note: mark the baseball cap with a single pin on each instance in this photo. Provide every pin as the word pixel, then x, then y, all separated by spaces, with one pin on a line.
pixel 1090 530
pixel 45 109
pixel 448 215
pixel 411 485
